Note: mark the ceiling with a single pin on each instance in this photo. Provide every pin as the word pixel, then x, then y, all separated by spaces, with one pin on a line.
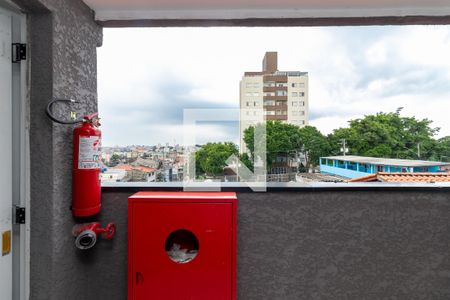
pixel 240 9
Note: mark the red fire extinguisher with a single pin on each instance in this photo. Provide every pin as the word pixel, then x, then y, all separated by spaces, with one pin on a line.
pixel 86 188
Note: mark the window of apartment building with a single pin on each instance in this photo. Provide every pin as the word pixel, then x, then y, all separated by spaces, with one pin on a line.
pixel 281 84
pixel 294 103
pixel 247 103
pixel 255 103
pixel 301 103
pixel 252 84
pixel 294 94
pixel 269 113
pixel 295 113
pixel 269 102
pixel 301 94
pixel 301 85
pixel 269 94
pixel 281 93
pixel 269 84
pixel 255 94
pixel 298 84
pixel 301 113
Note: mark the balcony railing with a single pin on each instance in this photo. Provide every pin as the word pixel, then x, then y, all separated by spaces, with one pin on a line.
pixel 280 98
pixel 274 88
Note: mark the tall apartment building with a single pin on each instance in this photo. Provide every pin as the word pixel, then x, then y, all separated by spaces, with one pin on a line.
pixel 277 95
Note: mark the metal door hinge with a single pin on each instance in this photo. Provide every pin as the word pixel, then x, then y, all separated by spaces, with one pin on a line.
pixel 19 52
pixel 19 215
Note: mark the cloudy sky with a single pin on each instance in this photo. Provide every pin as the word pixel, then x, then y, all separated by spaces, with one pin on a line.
pixel 147 76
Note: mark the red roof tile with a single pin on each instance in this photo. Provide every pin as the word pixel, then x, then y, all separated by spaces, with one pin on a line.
pixel 123 167
pixel 405 177
pixel 130 167
pixel 144 169
pixel 367 178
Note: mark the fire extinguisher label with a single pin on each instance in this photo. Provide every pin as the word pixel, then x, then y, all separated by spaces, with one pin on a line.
pixel 89 153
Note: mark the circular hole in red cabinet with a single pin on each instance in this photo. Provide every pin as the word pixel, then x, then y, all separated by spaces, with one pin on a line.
pixel 182 246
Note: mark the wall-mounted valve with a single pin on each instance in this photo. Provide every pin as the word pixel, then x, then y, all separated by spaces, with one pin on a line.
pixel 86 234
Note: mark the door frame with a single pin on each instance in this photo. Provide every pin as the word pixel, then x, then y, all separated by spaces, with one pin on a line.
pixel 21 157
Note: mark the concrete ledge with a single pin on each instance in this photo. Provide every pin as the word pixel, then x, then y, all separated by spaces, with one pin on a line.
pixel 279 22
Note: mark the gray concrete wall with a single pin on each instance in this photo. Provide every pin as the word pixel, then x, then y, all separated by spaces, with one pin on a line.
pixel 314 245
pixel 296 245
pixel 291 245
pixel 62 58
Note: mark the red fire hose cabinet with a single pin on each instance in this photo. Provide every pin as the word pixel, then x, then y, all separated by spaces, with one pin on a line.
pixel 182 245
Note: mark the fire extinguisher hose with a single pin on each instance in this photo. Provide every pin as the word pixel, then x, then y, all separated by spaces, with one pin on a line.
pixel 49 112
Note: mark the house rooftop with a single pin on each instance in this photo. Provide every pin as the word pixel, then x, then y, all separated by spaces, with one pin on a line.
pixel 127 167
pixel 404 177
pixel 388 161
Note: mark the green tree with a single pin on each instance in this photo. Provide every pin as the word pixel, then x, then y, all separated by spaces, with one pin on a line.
pixel 245 159
pixel 114 160
pixel 211 158
pixel 314 145
pixel 443 149
pixel 281 138
pixel 381 135
pixel 160 177
pixel 387 135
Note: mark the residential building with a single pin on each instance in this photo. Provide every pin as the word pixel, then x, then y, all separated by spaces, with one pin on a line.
pixel 113 175
pixel 352 166
pixel 273 95
pixel 137 173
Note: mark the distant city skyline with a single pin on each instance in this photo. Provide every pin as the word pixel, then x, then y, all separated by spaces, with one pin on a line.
pixel 353 71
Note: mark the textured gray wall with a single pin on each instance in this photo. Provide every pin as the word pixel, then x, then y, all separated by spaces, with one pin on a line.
pixel 291 245
pixel 63 38
pixel 315 245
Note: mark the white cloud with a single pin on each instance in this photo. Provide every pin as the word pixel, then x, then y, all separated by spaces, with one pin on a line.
pixel 169 133
pixel 353 71
pixel 377 54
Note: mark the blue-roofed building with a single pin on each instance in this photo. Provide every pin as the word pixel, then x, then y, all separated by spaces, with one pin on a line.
pixel 351 166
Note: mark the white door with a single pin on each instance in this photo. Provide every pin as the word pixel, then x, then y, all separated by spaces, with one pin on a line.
pixel 5 156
